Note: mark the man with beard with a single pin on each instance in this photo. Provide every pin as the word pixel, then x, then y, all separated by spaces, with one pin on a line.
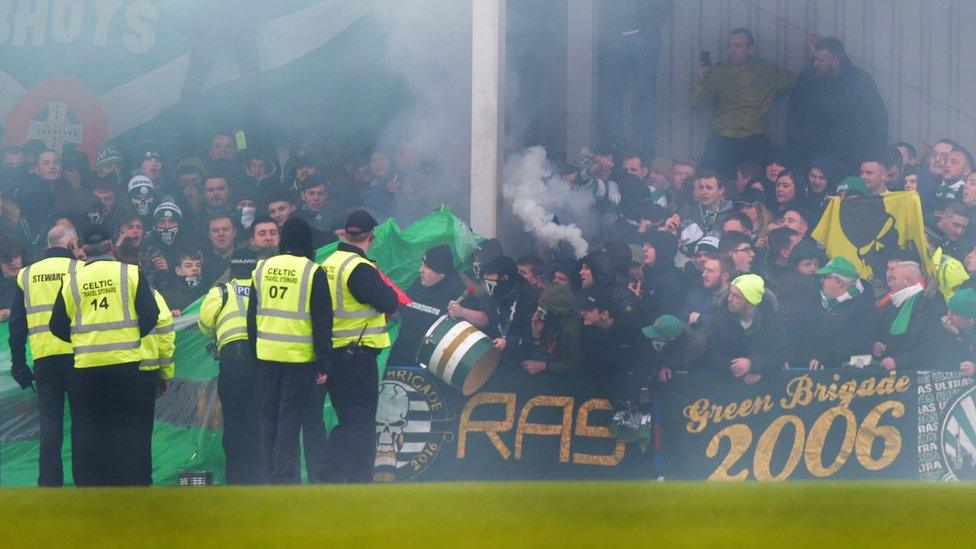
pixel 746 338
pixel 437 285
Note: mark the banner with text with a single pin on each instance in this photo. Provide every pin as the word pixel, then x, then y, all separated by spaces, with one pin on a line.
pixel 838 425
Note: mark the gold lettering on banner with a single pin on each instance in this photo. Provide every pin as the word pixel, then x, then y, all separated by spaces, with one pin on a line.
pixel 564 429
pixel 490 428
pixel 870 430
pixel 702 411
pixel 818 435
pixel 766 444
pixel 740 437
pixel 584 429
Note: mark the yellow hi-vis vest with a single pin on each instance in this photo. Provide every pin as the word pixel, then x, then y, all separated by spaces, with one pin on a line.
pixel 226 321
pixel 158 346
pixel 352 320
pixel 41 283
pixel 100 299
pixel 283 286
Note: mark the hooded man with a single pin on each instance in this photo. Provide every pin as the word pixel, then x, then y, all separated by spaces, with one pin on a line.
pixel 663 289
pixel 431 293
pixel 555 333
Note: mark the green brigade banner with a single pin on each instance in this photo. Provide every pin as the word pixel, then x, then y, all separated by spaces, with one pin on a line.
pixel 836 425
pixel 187 431
pixel 869 231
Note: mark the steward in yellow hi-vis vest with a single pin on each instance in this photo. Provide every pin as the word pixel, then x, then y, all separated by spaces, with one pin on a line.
pixel 104 309
pixel 360 301
pixel 223 317
pixel 38 286
pixel 289 322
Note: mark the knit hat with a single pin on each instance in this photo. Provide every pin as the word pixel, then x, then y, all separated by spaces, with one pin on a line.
pixel 150 152
pixel 502 266
pixel 192 162
pixel 666 326
pixel 360 222
pixel 329 153
pixel 752 287
pixel 96 234
pixel 557 299
pixel 853 186
pixel 839 266
pixel 750 196
pixel 296 235
pixel 664 243
pixel 963 303
pixel 439 259
pixel 488 250
pixel 140 184
pixel 107 156
pixel 168 208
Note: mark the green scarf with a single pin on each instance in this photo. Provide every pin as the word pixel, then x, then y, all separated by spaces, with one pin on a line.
pixel 904 316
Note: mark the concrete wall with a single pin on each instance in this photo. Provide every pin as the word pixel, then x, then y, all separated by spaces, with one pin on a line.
pixel 921 53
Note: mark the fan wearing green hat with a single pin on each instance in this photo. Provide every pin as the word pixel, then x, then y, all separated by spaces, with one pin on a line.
pixel 667 335
pixel 555 333
pixel 746 339
pixel 958 348
pixel 847 322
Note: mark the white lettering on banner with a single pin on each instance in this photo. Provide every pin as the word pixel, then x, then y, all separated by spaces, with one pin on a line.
pixel 104 12
pixel 35 21
pixel 6 8
pixel 67 17
pixel 142 37
pixel 29 23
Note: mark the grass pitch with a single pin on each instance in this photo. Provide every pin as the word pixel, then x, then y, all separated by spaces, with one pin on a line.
pixel 497 515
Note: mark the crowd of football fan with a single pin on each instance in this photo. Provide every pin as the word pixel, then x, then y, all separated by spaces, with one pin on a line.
pixel 697 265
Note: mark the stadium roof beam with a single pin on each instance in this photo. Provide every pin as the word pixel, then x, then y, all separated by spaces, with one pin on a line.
pixel 487 112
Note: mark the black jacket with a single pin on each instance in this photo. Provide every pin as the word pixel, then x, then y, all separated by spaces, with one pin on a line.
pixel 320 309
pixel 145 305
pixel 845 330
pixel 765 342
pixel 416 318
pixel 842 116
pixel 913 349
pixel 618 360
pixel 18 317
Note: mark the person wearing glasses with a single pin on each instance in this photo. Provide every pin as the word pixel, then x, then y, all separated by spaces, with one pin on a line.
pixel 738 246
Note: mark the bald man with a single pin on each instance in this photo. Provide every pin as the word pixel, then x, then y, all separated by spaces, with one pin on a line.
pixel 37 287
pixel 910 323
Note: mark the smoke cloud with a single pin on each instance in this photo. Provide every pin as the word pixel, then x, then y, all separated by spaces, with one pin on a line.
pixel 538 196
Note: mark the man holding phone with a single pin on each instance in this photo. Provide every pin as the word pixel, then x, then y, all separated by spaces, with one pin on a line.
pixel 742 92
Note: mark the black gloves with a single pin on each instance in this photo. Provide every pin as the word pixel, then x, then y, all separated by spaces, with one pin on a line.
pixel 22 375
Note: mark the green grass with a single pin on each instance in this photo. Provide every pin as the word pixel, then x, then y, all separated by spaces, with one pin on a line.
pixel 497 515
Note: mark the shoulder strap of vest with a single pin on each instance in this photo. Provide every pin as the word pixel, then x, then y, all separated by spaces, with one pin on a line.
pixel 223 295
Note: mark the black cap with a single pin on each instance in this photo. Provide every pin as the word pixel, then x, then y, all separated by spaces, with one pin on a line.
pixel 360 222
pixel 242 262
pixel 439 259
pixel 596 299
pixel 95 234
pixel 750 196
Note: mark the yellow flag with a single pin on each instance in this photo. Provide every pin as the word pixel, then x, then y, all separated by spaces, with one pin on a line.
pixel 868 231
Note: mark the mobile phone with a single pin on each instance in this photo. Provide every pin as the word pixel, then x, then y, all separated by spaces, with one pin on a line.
pixel 705 58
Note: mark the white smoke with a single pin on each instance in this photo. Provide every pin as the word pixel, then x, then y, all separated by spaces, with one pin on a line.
pixel 538 196
pixel 429 46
